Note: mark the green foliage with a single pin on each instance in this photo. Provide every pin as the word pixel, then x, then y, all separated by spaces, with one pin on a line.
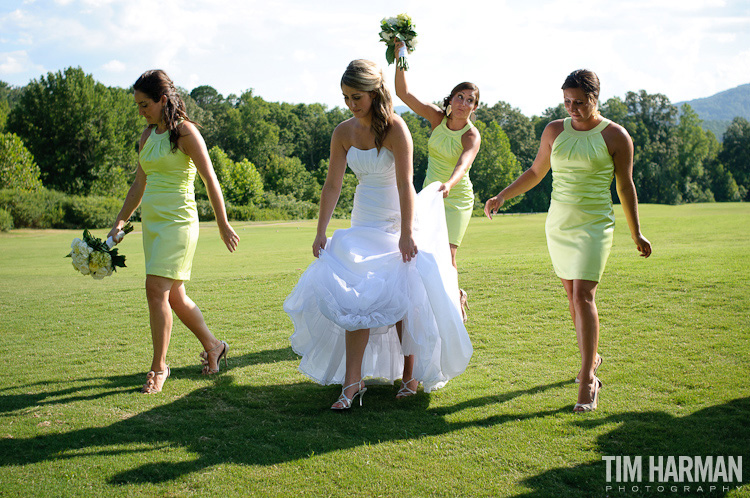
pixel 495 166
pixel 240 182
pixel 81 133
pixel 17 167
pixel 293 208
pixel 6 220
pixel 45 208
pixel 288 176
pixel 420 133
pixel 735 154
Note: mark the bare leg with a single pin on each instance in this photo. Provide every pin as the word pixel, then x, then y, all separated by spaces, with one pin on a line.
pixel 408 373
pixel 160 317
pixel 454 250
pixel 586 320
pixel 356 342
pixel 190 315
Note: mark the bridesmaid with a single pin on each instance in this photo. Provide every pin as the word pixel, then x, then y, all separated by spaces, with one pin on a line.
pixel 170 151
pixel 584 152
pixel 452 147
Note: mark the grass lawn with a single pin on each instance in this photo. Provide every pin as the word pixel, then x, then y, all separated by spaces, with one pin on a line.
pixel 675 340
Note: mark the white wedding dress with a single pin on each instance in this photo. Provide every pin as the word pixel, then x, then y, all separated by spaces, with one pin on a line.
pixel 361 282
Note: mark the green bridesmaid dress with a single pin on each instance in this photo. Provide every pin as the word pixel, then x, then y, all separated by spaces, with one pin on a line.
pixel 168 209
pixel 580 222
pixel 444 148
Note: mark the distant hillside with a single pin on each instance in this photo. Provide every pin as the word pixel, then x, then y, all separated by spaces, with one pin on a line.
pixel 718 110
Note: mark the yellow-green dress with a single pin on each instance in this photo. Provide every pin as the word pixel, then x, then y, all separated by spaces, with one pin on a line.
pixel 168 209
pixel 580 222
pixel 444 148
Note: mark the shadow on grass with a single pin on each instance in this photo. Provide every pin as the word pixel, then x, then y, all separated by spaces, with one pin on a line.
pixel 249 425
pixel 718 430
pixel 56 392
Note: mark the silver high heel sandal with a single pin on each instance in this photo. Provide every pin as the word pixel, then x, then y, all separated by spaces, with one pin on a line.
pixel 597 364
pixel 590 407
pixel 203 356
pixel 405 391
pixel 344 403
pixel 151 387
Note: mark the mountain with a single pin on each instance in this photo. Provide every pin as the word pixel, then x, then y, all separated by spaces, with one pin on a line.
pixel 717 111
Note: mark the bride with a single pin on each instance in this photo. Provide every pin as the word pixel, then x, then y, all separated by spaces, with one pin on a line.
pixel 381 300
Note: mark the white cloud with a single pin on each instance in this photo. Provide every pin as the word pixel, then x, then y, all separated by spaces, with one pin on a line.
pixel 114 66
pixel 17 62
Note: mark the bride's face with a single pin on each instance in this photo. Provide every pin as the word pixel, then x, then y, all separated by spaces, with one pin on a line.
pixel 358 101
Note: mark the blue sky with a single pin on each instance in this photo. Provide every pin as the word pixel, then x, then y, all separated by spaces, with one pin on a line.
pixel 295 50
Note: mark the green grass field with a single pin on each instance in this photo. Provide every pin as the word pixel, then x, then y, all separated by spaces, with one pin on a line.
pixel 675 340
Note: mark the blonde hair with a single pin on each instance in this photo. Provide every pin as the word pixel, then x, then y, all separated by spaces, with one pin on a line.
pixel 366 76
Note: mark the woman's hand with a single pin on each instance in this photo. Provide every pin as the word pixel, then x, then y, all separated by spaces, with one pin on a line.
pixel 643 245
pixel 493 204
pixel 318 244
pixel 408 248
pixel 114 233
pixel 229 236
pixel 445 189
pixel 398 46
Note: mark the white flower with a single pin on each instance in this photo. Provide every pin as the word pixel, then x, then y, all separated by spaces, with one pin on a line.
pixel 101 273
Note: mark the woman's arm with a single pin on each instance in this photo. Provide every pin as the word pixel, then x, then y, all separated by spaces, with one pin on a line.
pixel 191 143
pixel 532 176
pixel 400 143
pixel 329 194
pixel 621 149
pixel 135 193
pixel 430 112
pixel 470 141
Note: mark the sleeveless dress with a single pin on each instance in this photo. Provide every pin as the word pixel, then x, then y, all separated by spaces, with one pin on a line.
pixel 168 210
pixel 444 148
pixel 361 282
pixel 580 222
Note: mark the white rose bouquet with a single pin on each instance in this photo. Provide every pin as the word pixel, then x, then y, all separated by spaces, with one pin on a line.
pixel 93 257
pixel 401 28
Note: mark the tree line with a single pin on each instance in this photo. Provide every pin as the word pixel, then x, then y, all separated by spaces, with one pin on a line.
pixel 67 132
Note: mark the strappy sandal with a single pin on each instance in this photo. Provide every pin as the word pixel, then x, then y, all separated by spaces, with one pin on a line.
pixel 203 356
pixel 405 391
pixel 592 405
pixel 597 364
pixel 344 402
pixel 464 302
pixel 151 387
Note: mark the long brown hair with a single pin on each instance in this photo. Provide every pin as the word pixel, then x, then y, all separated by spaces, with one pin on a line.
pixel 366 76
pixel 155 83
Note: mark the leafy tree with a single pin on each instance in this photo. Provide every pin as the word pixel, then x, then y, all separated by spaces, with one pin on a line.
pixel 240 182
pixel 735 154
pixel 495 166
pixel 420 133
pixel 517 127
pixel 693 149
pixel 17 167
pixel 81 133
pixel 288 176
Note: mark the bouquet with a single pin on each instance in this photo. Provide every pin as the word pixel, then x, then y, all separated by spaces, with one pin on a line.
pixel 93 257
pixel 398 28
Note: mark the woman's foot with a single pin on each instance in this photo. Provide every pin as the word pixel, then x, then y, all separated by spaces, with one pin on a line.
pixel 348 394
pixel 211 358
pixel 408 388
pixel 597 364
pixel 591 392
pixel 155 381
pixel 464 302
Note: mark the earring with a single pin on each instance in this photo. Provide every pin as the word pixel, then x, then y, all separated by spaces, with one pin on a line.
pixel 448 110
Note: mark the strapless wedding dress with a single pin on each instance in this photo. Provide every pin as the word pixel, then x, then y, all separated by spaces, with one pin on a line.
pixel 361 282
